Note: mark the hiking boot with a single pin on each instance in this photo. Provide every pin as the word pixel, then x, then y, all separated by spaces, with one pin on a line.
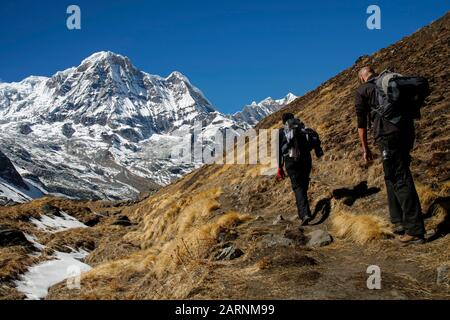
pixel 305 221
pixel 399 229
pixel 407 239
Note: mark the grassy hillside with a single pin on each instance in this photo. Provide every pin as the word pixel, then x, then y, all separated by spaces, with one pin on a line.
pixel 176 248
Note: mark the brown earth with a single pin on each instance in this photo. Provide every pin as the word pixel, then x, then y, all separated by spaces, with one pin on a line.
pixel 171 251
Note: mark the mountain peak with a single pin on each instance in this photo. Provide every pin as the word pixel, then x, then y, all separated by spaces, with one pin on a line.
pixel 289 98
pixel 102 56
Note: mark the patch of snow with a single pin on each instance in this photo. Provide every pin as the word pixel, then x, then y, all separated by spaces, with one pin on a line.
pixel 56 223
pixel 33 240
pixel 36 281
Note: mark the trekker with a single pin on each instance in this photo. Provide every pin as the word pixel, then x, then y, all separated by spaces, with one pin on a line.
pixel 294 152
pixel 393 129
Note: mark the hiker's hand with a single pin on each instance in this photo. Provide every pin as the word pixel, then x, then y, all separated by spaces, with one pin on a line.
pixel 281 175
pixel 367 155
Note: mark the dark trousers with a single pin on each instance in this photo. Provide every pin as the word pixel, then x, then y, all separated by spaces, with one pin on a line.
pixel 299 171
pixel 403 201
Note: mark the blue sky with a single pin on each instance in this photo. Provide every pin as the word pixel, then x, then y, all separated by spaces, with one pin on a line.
pixel 235 51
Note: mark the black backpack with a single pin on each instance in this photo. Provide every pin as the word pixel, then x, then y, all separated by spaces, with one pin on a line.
pixel 399 96
pixel 294 131
pixel 313 139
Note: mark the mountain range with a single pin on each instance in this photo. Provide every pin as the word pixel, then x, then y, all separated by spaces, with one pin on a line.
pixel 106 130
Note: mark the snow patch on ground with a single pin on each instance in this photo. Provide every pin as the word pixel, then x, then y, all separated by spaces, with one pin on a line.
pixel 56 223
pixel 36 281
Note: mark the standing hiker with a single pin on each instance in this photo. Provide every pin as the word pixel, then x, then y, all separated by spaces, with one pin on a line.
pixel 391 102
pixel 294 152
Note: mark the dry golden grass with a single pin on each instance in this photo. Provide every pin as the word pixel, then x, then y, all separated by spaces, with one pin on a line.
pixel 445 188
pixel 192 247
pixel 426 195
pixel 137 262
pixel 157 270
pixel 14 261
pixel 177 216
pixel 360 228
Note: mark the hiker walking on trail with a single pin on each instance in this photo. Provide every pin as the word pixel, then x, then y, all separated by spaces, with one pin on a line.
pixel 391 102
pixel 295 145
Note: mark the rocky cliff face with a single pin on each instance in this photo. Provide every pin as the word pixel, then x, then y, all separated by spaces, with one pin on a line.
pixel 9 173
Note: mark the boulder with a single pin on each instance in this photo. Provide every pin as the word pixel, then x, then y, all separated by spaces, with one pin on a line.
pixel 122 220
pixel 271 240
pixel 25 129
pixel 48 209
pixel 12 237
pixel 319 238
pixel 68 130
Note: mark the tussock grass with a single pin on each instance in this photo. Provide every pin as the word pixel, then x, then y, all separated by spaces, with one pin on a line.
pixel 193 247
pixel 14 261
pixel 446 188
pixel 426 195
pixel 358 228
pixel 137 262
pixel 176 216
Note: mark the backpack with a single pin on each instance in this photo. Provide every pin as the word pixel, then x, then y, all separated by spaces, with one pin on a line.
pixel 399 96
pixel 313 139
pixel 294 129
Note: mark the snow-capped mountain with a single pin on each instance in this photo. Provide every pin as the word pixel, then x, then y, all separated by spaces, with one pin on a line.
pixel 105 129
pixel 255 112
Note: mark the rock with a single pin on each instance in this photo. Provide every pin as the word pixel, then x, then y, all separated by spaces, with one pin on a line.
pixel 68 130
pixel 270 240
pixel 122 221
pixel 4 201
pixel 93 221
pixel 12 237
pixel 319 238
pixel 25 129
pixel 229 253
pixel 48 209
pixel 443 275
pixel 9 173
pixel 278 220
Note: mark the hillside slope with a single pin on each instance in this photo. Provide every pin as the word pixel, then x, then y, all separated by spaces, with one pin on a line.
pixel 217 234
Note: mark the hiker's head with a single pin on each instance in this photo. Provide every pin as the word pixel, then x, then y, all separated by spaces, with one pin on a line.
pixel 365 73
pixel 287 116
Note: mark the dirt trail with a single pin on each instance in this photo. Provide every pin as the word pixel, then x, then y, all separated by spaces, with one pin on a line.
pixel 293 271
